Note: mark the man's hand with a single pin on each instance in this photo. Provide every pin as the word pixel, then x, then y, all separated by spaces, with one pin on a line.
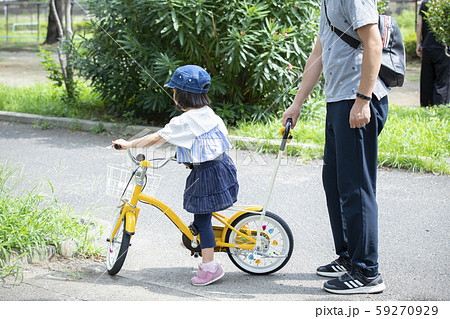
pixel 370 36
pixel 359 114
pixel 292 112
pixel 419 50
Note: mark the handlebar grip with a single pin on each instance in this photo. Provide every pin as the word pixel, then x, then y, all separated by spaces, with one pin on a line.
pixel 287 131
pixel 286 135
pixel 117 146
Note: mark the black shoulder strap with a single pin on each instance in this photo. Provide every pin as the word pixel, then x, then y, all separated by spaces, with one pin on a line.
pixel 344 36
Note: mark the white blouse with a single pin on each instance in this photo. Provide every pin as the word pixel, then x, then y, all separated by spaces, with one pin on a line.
pixel 199 134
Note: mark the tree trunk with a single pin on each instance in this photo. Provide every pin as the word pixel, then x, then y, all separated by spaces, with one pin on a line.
pixel 64 47
pixel 70 85
pixel 68 14
pixel 52 29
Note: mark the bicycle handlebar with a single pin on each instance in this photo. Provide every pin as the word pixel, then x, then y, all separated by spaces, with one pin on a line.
pixel 133 159
pixel 140 157
pixel 164 162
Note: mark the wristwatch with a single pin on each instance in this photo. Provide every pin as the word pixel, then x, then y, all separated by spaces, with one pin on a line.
pixel 362 96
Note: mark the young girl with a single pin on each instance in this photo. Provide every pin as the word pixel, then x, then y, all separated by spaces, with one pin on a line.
pixel 200 137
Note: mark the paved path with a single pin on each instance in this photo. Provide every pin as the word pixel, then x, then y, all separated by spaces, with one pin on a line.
pixel 414 228
pixel 409 93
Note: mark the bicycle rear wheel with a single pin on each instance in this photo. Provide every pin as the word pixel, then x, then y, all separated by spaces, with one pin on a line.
pixel 276 237
pixel 117 248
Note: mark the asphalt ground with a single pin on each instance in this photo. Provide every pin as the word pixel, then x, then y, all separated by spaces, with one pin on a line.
pixel 413 228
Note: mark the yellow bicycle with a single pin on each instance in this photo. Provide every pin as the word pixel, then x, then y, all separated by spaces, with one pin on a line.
pixel 257 241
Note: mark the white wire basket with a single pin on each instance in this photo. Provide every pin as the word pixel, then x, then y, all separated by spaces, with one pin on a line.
pixel 117 179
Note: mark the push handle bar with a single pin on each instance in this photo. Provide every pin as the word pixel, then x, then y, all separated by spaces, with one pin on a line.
pixel 286 135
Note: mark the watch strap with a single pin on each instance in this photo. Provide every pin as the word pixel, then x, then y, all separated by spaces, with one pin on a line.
pixel 362 96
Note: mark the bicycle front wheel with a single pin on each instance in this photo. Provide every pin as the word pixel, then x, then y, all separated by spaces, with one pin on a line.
pixel 276 238
pixel 117 249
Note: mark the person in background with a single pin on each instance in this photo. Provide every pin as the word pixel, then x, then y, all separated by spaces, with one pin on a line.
pixel 435 69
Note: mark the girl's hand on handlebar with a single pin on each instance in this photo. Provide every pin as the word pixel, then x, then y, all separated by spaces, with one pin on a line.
pixel 121 144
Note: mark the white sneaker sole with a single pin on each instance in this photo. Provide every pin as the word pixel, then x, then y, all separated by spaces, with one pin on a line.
pixel 331 274
pixel 209 282
pixel 361 290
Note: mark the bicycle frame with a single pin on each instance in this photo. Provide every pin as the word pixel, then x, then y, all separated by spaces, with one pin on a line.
pixel 131 212
pixel 256 241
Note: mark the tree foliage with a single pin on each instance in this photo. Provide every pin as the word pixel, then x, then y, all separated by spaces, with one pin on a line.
pixel 254 50
pixel 382 6
pixel 438 18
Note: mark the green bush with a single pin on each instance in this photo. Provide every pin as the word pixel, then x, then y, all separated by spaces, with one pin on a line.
pixel 406 22
pixel 81 27
pixel 253 50
pixel 382 6
pixel 410 42
pixel 438 17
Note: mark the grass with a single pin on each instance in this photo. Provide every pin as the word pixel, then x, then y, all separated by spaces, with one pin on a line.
pixel 414 139
pixel 417 139
pixel 307 143
pixel 30 221
pixel 47 99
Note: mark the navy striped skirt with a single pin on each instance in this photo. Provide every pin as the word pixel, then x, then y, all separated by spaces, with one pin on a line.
pixel 211 186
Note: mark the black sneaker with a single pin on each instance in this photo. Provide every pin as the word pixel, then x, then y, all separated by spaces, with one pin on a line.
pixel 355 283
pixel 335 269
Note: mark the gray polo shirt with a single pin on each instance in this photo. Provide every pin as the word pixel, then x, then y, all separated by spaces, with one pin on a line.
pixel 341 63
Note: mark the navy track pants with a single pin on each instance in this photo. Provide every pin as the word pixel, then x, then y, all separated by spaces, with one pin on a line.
pixel 349 179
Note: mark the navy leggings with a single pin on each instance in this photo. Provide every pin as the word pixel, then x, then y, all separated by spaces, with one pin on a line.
pixel 204 227
pixel 349 179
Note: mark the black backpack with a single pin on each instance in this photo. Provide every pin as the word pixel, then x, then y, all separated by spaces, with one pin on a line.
pixel 392 70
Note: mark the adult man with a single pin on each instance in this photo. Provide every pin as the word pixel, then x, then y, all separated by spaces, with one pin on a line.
pixel 435 70
pixel 356 112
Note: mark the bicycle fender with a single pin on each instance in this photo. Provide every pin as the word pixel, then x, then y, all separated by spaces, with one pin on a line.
pixel 130 221
pixel 249 209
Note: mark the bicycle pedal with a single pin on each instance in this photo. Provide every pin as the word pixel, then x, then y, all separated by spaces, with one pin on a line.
pixel 193 229
pixel 194 243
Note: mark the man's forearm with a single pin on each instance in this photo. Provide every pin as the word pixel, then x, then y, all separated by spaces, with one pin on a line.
pixel 311 75
pixel 419 30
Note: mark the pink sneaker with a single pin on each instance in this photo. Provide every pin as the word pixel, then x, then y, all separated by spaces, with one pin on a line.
pixel 207 276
